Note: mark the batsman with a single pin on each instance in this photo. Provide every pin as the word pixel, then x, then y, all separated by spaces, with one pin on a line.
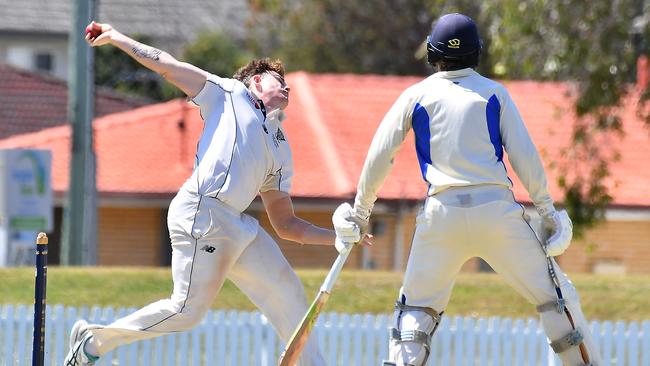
pixel 463 124
pixel 242 152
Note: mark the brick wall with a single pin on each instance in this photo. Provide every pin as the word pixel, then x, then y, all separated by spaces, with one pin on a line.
pixel 132 236
pixel 129 236
pixel 612 247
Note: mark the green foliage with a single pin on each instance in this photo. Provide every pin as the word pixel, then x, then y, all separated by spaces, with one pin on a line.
pixel 213 52
pixel 217 53
pixel 592 43
pixel 344 36
pixel 117 70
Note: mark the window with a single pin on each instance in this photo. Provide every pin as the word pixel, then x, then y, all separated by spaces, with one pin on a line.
pixel 43 61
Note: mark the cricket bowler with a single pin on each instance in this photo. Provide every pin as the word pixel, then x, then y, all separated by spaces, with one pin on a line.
pixel 241 153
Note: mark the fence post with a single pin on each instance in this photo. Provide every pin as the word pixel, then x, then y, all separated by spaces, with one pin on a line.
pixel 483 341
pixel 345 339
pixel 607 342
pixel 9 334
pixel 457 330
pixel 620 343
pixel 645 343
pixel 495 328
pixel 445 347
pixel 633 344
pixel 369 347
pixel 519 334
pixel 331 320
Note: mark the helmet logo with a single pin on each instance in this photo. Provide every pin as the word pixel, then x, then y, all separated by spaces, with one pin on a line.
pixel 453 43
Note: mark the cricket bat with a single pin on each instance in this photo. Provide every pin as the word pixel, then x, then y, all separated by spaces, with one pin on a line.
pixel 301 334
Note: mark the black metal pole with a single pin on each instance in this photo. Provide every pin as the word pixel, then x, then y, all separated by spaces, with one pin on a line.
pixel 38 347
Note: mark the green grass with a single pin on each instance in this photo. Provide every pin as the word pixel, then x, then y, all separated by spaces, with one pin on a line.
pixel 602 297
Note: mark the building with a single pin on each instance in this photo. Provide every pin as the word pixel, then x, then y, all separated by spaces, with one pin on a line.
pixel 31 102
pixel 34 33
pixel 144 155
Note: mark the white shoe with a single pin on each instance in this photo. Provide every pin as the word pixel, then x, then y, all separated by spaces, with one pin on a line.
pixel 78 337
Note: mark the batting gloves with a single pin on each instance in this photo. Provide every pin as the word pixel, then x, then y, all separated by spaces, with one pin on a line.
pixel 348 224
pixel 560 229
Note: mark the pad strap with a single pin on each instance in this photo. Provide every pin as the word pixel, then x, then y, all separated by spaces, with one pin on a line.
pixel 574 338
pixel 432 313
pixel 415 335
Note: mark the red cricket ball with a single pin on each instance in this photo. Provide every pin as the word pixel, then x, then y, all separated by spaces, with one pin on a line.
pixel 94 30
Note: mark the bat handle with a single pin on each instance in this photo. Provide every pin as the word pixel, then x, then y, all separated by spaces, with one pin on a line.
pixel 334 272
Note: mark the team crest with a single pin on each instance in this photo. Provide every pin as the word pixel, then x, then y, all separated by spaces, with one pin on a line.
pixel 454 43
pixel 277 137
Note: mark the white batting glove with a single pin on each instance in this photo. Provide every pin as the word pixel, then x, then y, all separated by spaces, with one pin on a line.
pixel 560 228
pixel 346 229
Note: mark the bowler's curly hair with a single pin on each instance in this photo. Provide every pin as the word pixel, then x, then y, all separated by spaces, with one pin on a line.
pixel 256 67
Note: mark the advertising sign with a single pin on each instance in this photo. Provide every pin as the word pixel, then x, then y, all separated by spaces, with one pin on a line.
pixel 25 202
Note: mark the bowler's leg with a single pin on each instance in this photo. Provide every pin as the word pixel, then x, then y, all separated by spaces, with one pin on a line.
pixel 265 276
pixel 202 254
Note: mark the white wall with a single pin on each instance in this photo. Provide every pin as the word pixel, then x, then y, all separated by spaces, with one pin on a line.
pixel 21 51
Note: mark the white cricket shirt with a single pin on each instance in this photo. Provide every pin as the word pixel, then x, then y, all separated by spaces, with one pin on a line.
pixel 463 122
pixel 240 152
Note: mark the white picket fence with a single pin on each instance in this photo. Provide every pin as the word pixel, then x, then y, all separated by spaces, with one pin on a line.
pixel 241 338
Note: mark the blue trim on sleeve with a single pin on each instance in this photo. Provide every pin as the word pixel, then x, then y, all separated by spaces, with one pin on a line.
pixel 422 137
pixel 493 116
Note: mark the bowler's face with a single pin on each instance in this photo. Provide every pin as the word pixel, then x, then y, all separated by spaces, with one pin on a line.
pixel 274 91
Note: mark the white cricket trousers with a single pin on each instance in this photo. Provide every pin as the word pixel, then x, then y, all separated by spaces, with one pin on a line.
pixel 485 221
pixel 211 241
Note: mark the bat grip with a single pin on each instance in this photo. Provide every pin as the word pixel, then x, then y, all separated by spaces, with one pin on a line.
pixel 334 272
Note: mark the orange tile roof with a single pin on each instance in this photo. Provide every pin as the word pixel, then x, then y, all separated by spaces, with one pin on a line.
pixel 149 150
pixel 331 121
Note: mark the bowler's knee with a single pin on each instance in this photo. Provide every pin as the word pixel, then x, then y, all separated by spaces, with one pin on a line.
pixel 187 319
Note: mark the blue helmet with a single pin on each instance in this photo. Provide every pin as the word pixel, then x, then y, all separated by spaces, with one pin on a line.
pixel 454 37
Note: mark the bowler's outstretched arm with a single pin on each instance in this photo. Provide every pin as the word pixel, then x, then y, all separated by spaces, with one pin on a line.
pixel 189 78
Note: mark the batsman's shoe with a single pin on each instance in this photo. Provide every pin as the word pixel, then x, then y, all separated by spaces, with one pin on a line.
pixel 78 337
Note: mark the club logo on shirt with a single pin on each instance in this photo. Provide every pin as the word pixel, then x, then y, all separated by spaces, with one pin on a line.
pixel 280 136
pixel 453 43
pixel 277 137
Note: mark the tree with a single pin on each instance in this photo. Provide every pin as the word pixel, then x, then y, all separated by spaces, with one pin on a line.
pixel 217 53
pixel 116 70
pixel 343 36
pixel 595 45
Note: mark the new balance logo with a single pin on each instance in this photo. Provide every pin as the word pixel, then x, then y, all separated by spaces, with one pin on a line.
pixel 207 248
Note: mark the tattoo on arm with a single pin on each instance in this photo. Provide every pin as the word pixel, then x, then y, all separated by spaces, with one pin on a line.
pixel 147 52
